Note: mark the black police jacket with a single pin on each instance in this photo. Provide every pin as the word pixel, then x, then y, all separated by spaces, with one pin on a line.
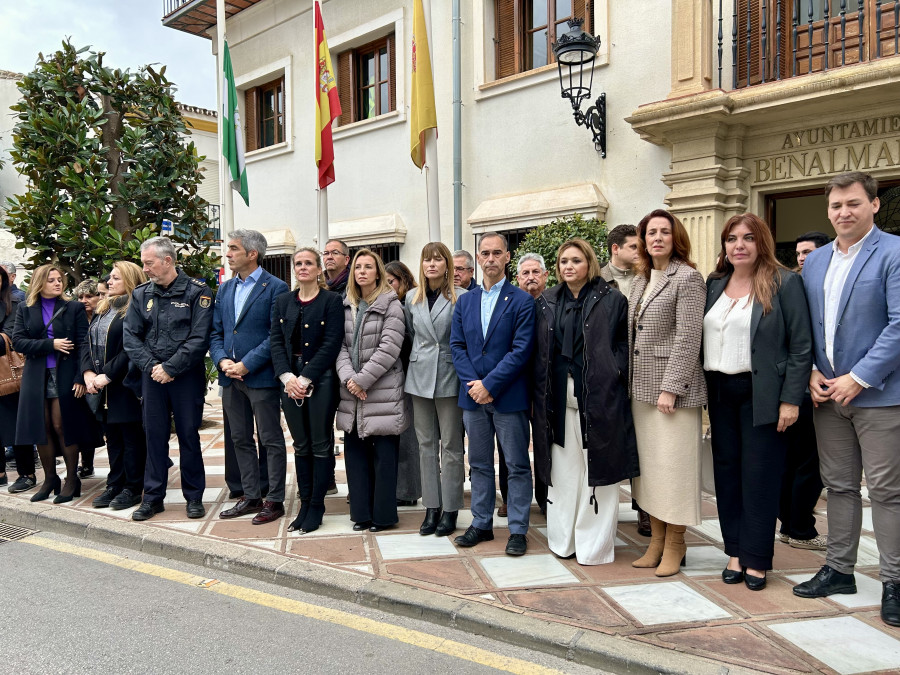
pixel 169 326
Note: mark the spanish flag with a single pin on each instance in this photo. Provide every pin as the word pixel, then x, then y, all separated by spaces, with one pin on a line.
pixel 421 107
pixel 328 105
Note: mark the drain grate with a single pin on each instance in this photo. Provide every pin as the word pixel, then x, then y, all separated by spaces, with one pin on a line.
pixel 13 533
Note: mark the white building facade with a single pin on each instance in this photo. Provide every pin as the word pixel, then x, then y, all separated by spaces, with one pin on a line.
pixel 523 159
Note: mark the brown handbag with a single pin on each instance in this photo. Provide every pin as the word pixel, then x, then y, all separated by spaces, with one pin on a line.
pixel 11 365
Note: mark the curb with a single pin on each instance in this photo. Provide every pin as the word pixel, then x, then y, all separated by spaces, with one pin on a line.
pixel 583 646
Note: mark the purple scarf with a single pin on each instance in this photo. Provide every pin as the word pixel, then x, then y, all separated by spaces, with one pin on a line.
pixel 47 307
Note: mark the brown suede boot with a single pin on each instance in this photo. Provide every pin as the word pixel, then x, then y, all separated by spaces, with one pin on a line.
pixel 674 554
pixel 654 552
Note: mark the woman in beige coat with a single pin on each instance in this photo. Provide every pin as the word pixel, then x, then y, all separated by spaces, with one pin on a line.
pixel 372 411
pixel 665 326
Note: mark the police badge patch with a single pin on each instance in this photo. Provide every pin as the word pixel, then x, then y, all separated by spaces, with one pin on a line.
pixel 204 301
pixel 150 304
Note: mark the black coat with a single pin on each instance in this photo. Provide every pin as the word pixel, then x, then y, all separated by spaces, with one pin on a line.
pixel 780 346
pixel 30 338
pixel 119 401
pixel 606 417
pixel 323 333
pixel 9 404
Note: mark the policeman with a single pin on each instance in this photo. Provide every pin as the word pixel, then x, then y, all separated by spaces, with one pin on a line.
pixel 166 335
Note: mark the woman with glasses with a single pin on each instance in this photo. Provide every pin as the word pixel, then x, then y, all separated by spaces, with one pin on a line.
pixel 307 328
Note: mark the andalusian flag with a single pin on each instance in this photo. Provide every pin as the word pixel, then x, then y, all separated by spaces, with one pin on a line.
pixel 328 106
pixel 421 107
pixel 232 134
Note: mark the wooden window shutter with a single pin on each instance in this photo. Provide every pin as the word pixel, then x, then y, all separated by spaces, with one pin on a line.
pixel 345 87
pixel 786 58
pixel 505 40
pixel 251 141
pixel 755 58
pixel 392 79
pixel 584 9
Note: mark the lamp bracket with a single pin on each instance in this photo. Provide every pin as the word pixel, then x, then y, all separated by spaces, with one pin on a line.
pixel 595 121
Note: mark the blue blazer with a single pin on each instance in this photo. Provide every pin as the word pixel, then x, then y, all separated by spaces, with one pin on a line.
pixel 247 339
pixel 867 335
pixel 500 358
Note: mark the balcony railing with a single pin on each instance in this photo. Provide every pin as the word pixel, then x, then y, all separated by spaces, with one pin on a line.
pixel 776 39
pixel 170 6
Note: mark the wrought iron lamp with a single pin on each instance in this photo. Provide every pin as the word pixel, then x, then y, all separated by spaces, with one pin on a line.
pixel 575 52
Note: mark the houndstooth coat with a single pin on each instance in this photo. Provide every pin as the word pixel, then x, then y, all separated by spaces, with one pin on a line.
pixel 665 336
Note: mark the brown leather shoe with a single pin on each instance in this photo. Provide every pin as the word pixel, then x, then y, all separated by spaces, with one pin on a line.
pixel 502 511
pixel 270 511
pixel 242 508
pixel 644 528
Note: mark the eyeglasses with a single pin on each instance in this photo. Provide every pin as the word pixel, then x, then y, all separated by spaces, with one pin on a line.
pixel 462 269
pixel 329 254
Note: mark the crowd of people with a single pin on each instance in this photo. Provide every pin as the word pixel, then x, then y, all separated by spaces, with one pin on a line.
pixel 604 374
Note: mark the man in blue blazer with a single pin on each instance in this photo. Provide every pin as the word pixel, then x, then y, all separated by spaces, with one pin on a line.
pixel 491 339
pixel 853 287
pixel 239 347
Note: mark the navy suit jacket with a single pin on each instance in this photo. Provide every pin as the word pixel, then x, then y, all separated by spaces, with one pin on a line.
pixel 247 339
pixel 499 358
pixel 867 334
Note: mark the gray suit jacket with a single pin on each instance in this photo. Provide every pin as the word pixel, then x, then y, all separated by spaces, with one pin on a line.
pixel 431 373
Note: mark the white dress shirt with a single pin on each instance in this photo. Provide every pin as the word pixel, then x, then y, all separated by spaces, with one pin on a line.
pixel 726 335
pixel 835 279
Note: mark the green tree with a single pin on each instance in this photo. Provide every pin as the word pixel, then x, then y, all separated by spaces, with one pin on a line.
pixel 105 159
pixel 546 240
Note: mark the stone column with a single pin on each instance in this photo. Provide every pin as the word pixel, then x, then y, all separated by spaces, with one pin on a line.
pixel 691 46
pixel 708 185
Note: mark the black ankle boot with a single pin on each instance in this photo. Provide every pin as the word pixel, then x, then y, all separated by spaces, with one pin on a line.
pixel 447 524
pixel 53 485
pixel 429 525
pixel 323 473
pixel 304 466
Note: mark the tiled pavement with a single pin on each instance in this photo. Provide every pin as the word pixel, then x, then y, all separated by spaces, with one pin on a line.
pixel 692 612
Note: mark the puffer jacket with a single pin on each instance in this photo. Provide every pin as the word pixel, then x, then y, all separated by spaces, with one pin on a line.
pixel 383 413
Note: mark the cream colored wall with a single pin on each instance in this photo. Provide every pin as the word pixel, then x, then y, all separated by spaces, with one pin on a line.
pixel 512 142
pixel 11 183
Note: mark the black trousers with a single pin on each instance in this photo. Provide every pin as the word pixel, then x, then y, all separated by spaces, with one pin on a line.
pixel 126 447
pixel 233 471
pixel 312 424
pixel 24 456
pixel 181 399
pixel 371 465
pixel 802 483
pixel 748 464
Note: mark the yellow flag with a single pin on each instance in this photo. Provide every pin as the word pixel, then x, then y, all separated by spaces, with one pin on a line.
pixel 421 106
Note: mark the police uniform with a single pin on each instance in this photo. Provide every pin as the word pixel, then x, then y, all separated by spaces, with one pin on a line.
pixel 171 326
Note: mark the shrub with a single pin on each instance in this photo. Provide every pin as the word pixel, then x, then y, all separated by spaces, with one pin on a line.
pixel 546 240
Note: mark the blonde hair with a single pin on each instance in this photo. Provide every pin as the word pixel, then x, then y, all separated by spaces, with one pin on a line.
pixel 132 276
pixel 430 251
pixel 39 278
pixel 587 251
pixel 354 292
pixel 320 279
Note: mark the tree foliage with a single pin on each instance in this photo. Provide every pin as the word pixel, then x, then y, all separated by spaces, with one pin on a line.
pixel 105 160
pixel 546 240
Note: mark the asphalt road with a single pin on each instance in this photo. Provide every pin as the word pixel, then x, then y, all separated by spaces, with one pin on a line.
pixel 76 607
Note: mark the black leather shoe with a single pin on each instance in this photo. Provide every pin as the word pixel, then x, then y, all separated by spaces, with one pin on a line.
pixel 447 524
pixel 429 525
pixel 517 544
pixel 754 583
pixel 106 498
pixel 827 581
pixel 472 536
pixel 381 528
pixel 147 510
pixel 195 509
pixel 125 500
pixel 364 525
pixel 242 508
pixel 732 577
pixel 643 523
pixel 890 603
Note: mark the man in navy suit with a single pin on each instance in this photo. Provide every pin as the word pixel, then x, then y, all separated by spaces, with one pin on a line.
pixel 491 339
pixel 239 347
pixel 853 287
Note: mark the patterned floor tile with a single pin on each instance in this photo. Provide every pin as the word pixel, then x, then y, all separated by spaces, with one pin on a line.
pixel 667 602
pixel 399 546
pixel 527 571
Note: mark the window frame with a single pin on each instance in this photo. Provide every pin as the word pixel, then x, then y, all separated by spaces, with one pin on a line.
pixel 261 118
pixel 350 64
pixel 247 83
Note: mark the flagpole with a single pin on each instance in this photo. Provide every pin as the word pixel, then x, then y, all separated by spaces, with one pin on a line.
pixel 432 184
pixel 321 193
pixel 226 197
